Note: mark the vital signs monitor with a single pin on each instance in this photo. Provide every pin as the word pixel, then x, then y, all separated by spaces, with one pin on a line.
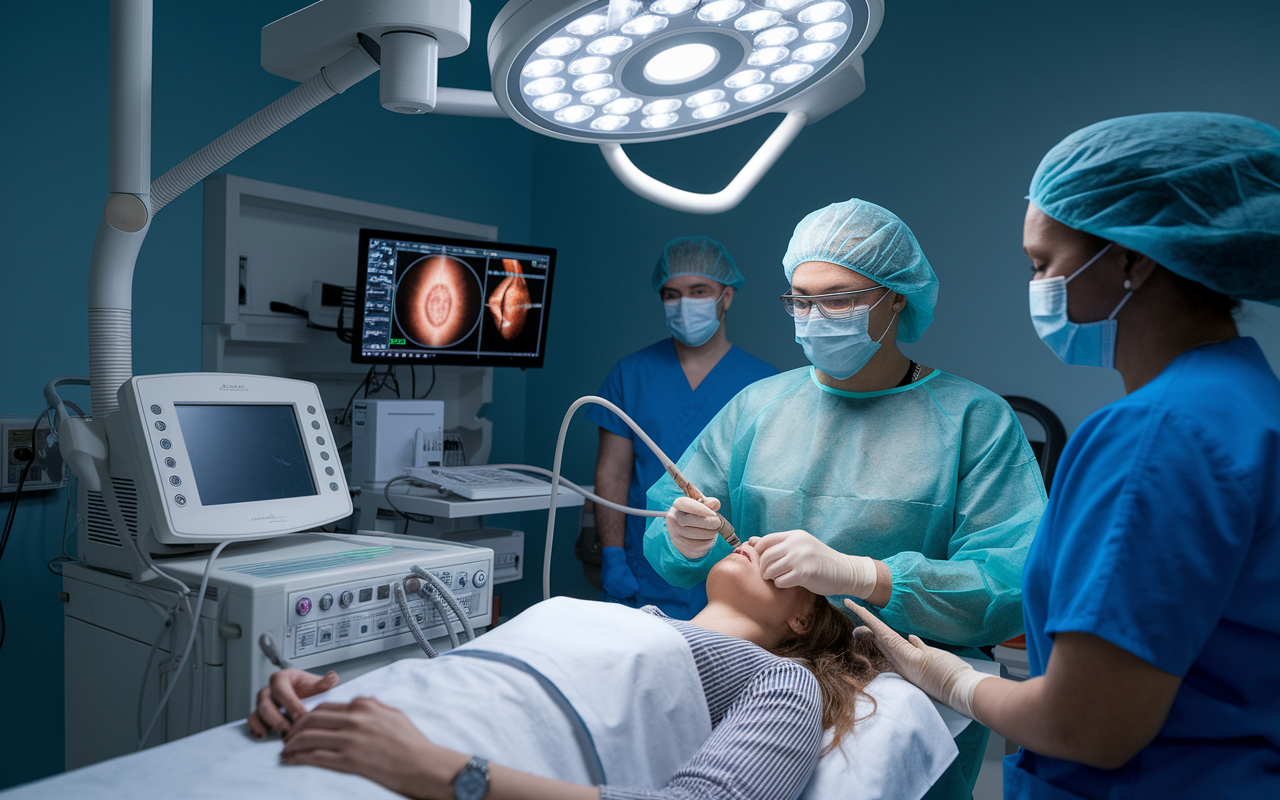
pixel 434 300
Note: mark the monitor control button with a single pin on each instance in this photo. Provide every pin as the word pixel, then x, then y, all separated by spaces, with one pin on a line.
pixel 315 424
pixel 328 471
pixel 333 486
pixel 462 580
pixel 180 499
pixel 303 607
pixel 170 463
pixel 165 444
pixel 479 579
pixel 320 441
pixel 310 410
pixel 346 599
pixel 174 480
pixel 326 602
pixel 324 456
pixel 160 425
pixel 155 409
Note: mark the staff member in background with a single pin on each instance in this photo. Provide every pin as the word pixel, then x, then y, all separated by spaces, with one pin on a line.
pixel 1152 591
pixel 867 475
pixel 672 389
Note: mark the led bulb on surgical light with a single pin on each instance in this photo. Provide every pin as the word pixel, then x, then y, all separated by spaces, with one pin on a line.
pixel 600 96
pixel 609 45
pixel 766 57
pixel 672 8
pixel 623 106
pixel 813 52
pixel 559 46
pixel 757 20
pixel 740 80
pixel 775 37
pixel 754 94
pixel 552 102
pixel 589 25
pixel 824 31
pixel 786 5
pixel 543 86
pixel 542 68
pixel 681 64
pixel 720 10
pixel 710 111
pixel 659 121
pixel 704 98
pixel 588 65
pixel 645 25
pixel 662 107
pixel 610 123
pixel 791 73
pixel 821 12
pixel 575 114
pixel 589 83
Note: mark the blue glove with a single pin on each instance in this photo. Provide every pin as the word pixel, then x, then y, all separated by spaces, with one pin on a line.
pixel 615 575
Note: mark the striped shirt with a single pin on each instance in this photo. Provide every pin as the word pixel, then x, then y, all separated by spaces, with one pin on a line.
pixel 766 718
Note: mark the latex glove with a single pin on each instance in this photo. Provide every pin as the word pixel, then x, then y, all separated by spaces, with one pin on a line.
pixel 693 525
pixel 616 576
pixel 798 558
pixel 942 675
pixel 285 690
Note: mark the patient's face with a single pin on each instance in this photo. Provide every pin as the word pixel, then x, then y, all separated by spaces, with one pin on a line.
pixel 736 580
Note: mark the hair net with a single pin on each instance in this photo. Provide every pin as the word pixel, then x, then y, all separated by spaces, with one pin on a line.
pixel 871 241
pixel 696 255
pixel 1198 193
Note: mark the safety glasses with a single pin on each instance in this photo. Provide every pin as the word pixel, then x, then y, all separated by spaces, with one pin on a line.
pixel 837 305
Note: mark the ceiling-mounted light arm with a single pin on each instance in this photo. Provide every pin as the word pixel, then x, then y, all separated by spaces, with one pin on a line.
pixel 727 198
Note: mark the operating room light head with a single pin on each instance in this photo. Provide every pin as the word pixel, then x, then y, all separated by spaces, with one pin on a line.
pixel 668 67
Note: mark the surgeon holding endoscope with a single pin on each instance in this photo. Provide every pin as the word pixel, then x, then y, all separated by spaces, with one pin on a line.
pixel 867 475
pixel 1153 586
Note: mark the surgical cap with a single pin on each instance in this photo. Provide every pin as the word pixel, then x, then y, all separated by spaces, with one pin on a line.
pixel 696 255
pixel 1197 193
pixel 871 241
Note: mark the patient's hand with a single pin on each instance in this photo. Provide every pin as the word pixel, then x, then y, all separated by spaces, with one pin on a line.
pixel 367 738
pixel 286 690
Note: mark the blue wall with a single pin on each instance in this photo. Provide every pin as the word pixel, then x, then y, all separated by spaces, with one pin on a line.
pixel 962 100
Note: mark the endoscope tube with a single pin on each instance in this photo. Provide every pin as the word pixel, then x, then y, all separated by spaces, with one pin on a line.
pixel 725 530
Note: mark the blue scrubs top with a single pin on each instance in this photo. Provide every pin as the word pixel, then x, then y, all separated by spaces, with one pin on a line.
pixel 1162 536
pixel 652 388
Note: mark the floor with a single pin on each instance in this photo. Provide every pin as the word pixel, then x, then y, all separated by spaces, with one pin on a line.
pixel 990 785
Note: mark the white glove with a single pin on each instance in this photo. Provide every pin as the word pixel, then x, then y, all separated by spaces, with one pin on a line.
pixel 943 676
pixel 693 525
pixel 798 558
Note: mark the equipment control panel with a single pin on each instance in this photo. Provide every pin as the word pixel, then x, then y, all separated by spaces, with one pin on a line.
pixel 353 612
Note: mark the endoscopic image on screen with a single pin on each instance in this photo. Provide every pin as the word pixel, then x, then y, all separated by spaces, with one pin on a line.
pixel 514 317
pixel 438 301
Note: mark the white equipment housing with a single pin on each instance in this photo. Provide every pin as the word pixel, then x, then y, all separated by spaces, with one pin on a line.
pixel 326 601
pixel 385 440
pixel 200 458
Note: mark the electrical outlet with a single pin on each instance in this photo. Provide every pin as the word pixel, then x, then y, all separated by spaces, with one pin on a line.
pixel 48 470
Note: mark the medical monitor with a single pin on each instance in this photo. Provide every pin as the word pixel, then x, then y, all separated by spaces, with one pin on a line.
pixel 435 300
pixel 214 456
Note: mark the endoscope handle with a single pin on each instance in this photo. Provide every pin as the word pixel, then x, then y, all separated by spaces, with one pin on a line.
pixel 726 528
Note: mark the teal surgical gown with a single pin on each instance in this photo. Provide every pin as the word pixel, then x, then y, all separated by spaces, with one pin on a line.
pixel 1162 536
pixel 651 387
pixel 935 479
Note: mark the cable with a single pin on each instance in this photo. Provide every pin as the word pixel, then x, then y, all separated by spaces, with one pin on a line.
pixel 413 623
pixel 448 598
pixel 65 558
pixel 408 515
pixel 344 417
pixel 568 484
pixel 186 652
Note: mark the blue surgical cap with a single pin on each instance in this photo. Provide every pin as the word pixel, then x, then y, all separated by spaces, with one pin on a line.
pixel 871 241
pixel 696 255
pixel 1197 193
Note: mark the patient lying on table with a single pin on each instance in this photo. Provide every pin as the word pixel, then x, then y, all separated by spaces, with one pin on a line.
pixel 578 699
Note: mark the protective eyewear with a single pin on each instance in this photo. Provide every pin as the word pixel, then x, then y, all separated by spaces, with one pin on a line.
pixel 836 305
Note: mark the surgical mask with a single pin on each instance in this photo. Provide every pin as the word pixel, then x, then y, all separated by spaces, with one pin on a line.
pixel 840 347
pixel 693 320
pixel 1081 344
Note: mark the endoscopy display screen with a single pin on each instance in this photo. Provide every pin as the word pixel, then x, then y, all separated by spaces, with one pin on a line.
pixel 243 453
pixel 432 300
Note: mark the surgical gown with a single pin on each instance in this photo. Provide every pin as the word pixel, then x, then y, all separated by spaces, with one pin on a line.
pixel 1162 536
pixel 650 385
pixel 936 479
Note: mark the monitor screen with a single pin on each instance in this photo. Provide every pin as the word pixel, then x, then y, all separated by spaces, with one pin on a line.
pixel 243 453
pixel 433 300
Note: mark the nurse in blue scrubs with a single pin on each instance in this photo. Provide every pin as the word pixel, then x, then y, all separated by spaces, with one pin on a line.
pixel 1152 590
pixel 672 389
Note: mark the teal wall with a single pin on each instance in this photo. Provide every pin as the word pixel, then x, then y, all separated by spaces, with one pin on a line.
pixel 962 100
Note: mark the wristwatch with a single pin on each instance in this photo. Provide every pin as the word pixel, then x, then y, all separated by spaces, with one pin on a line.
pixel 472 782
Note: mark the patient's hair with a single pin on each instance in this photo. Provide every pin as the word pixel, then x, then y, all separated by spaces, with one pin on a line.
pixel 842 663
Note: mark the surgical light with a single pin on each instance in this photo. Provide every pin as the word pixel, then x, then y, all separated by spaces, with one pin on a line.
pixel 720 10
pixel 777 36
